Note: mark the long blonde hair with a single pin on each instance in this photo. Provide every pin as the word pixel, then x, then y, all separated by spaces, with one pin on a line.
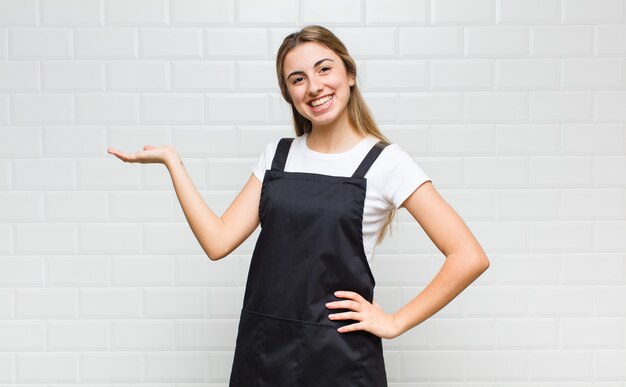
pixel 359 114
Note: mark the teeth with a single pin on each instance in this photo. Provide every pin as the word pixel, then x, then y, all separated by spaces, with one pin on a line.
pixel 321 101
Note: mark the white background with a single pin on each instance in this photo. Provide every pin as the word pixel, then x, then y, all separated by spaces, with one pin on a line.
pixel 515 108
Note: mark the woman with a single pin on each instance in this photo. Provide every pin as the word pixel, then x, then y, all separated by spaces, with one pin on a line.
pixel 308 316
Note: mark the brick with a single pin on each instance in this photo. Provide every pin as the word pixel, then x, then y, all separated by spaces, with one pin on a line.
pixel 72 141
pixel 26 336
pixel 492 106
pixel 473 74
pixel 72 12
pixel 558 41
pixel 21 206
pixel 586 11
pixel 137 12
pixel 76 206
pixel 236 42
pixel 173 108
pixel 197 335
pixel 463 11
pixel 527 74
pixel 110 303
pixel 593 73
pixel 555 106
pixel 200 271
pixel 42 108
pixel 390 75
pixel 525 139
pixel 186 367
pixel 22 271
pixel 77 271
pixel 4 109
pixel 46 367
pixel 77 335
pixel 367 42
pixel 609 106
pixel 200 12
pixel 45 303
pixel 73 76
pixel 275 12
pixel 501 41
pixel 200 141
pixel 609 39
pixel 463 140
pixel 18 13
pixel 599 139
pixel 229 107
pixel 203 75
pixel 428 107
pixel 396 12
pixel 20 141
pixel 107 108
pixel 109 238
pixel 108 174
pixel 138 76
pixel 111 367
pixel 430 41
pixel 256 75
pixel 175 302
pixel 173 238
pixel 555 171
pixel 41 43
pixel 561 236
pixel 40 174
pixel 142 335
pixel 330 12
pixel 18 76
pixel 529 11
pixel 171 43
pixel 106 43
pixel 140 206
pixel 141 271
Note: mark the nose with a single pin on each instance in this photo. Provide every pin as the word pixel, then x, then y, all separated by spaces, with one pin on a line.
pixel 314 86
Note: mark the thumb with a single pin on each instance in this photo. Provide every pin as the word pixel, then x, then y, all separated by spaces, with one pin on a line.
pixel 148 147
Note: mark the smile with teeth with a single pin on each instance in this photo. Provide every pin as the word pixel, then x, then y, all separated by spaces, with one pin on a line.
pixel 321 101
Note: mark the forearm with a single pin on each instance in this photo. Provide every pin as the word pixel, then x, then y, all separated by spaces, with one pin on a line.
pixel 204 223
pixel 457 273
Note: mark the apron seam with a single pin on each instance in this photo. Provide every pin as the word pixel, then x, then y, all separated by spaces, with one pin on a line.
pixel 276 317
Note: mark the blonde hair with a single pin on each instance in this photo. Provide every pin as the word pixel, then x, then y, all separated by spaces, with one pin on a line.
pixel 359 114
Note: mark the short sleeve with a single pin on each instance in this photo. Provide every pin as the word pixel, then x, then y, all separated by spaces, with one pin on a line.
pixel 404 176
pixel 264 161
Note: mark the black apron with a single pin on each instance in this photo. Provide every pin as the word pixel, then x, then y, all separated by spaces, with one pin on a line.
pixel 310 245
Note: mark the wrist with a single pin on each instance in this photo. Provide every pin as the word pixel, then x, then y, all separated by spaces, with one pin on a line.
pixel 172 158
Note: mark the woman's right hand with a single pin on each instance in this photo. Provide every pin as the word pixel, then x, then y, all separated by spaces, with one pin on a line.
pixel 149 154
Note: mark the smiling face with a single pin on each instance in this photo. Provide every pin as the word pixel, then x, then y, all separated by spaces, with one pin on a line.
pixel 318 83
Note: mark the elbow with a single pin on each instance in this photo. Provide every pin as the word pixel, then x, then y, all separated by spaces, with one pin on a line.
pixel 483 263
pixel 214 254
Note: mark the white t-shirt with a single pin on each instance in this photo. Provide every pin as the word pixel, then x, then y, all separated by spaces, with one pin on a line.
pixel 391 179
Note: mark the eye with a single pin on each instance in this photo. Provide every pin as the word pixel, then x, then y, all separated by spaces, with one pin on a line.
pixel 325 68
pixel 295 80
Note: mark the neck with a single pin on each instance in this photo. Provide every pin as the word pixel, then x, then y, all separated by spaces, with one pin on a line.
pixel 334 137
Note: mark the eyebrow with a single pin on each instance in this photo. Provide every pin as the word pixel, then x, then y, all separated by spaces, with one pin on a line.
pixel 315 65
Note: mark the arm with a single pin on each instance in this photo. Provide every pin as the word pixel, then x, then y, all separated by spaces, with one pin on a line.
pixel 465 259
pixel 218 236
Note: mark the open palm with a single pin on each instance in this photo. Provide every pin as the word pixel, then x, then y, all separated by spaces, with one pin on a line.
pixel 149 154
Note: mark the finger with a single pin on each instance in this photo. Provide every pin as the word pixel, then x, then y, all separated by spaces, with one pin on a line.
pixel 345 316
pixel 351 295
pixel 351 328
pixel 347 304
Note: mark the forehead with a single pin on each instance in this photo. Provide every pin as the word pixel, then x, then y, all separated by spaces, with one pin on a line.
pixel 305 55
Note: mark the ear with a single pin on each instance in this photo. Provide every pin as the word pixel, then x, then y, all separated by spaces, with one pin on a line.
pixel 351 81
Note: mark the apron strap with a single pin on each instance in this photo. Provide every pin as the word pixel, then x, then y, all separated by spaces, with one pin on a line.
pixel 369 159
pixel 280 157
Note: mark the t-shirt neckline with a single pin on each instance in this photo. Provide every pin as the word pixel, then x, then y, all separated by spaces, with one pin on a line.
pixel 320 155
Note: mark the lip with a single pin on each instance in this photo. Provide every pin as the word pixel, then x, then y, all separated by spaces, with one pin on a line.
pixel 317 110
pixel 320 97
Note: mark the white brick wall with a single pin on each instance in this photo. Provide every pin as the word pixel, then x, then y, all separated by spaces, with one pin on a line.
pixel 515 108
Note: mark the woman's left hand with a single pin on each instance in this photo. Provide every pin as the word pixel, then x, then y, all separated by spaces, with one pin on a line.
pixel 371 316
